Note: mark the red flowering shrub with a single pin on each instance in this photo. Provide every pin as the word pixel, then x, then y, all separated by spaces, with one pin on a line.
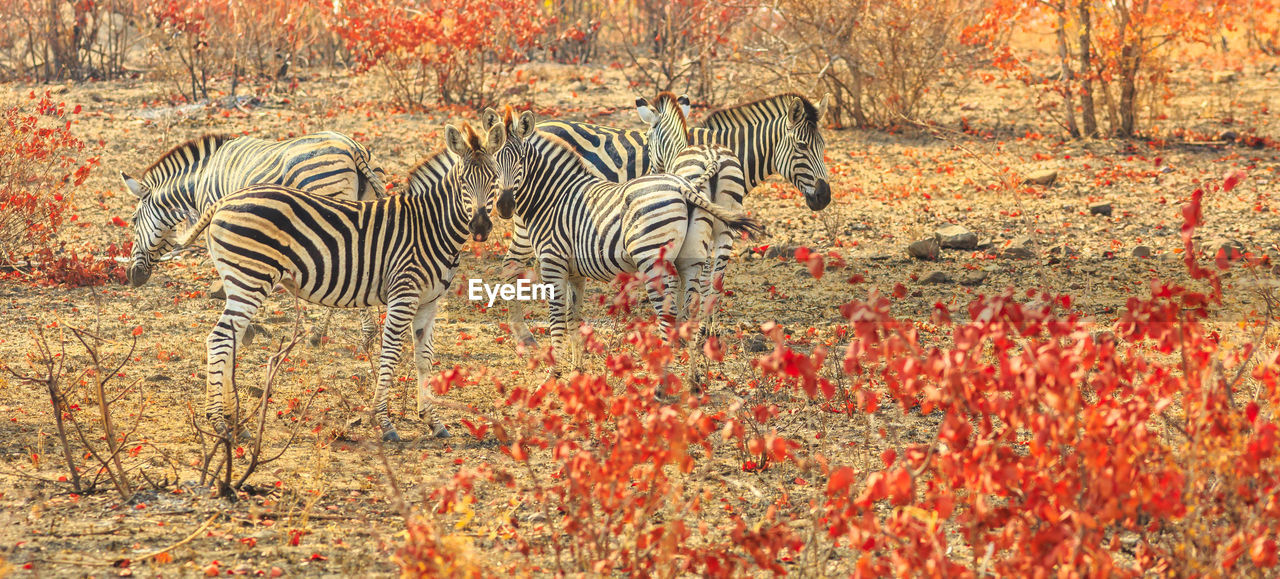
pixel 456 51
pixel 1057 446
pixel 38 172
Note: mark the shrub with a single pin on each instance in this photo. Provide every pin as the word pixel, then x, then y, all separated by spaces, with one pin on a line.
pixel 681 45
pixel 883 62
pixel 59 39
pixel 38 172
pixel 1057 446
pixel 456 51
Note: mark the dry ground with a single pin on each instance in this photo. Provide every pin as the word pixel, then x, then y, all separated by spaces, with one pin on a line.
pixel 890 189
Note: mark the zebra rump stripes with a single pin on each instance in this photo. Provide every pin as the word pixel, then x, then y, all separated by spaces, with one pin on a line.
pixel 581 226
pixel 401 251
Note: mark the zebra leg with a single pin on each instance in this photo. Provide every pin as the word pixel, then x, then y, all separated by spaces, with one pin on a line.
pixel 518 254
pixel 554 271
pixel 320 330
pixel 714 282
pixel 368 327
pixel 400 313
pixel 576 292
pixel 224 340
pixel 424 358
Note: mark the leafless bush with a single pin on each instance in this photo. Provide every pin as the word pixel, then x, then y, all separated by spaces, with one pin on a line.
pixel 882 61
pixel 114 452
pixel 67 39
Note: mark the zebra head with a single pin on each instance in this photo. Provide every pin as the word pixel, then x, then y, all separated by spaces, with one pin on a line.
pixel 800 152
pixel 475 173
pixel 155 230
pixel 510 159
pixel 668 128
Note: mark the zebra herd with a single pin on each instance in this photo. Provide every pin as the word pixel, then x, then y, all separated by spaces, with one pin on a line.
pixel 586 202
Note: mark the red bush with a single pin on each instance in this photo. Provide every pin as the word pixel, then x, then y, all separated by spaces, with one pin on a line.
pixel 457 51
pixel 1058 446
pixel 38 172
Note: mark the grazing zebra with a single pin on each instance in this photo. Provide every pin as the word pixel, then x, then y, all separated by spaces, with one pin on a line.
pixel 188 179
pixel 581 226
pixel 401 251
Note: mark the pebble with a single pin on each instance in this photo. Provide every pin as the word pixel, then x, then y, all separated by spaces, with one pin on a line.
pixel 925 249
pixel 956 237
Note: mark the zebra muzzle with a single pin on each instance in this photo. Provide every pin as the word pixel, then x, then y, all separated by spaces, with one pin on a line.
pixel 138 274
pixel 506 204
pixel 480 227
pixel 818 196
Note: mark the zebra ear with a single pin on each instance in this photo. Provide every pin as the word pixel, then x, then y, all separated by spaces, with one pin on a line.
pixel 822 107
pixel 496 139
pixel 797 111
pixel 138 189
pixel 684 104
pixel 456 142
pixel 489 118
pixel 647 114
pixel 524 126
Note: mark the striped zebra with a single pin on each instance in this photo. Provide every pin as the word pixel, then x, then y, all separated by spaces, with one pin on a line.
pixel 778 135
pixel 580 226
pixel 401 251
pixel 189 178
pixel 666 138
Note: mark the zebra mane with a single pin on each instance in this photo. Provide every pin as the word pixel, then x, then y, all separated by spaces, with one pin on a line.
pixel 673 102
pixel 180 155
pixel 430 171
pixel 557 143
pixel 723 118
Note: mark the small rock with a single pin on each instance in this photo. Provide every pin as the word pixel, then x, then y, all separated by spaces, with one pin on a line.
pixel 1063 250
pixel 925 249
pixel 1019 249
pixel 1228 136
pixel 803 273
pixel 1142 252
pixel 985 245
pixel 956 237
pixel 974 278
pixel 1233 249
pixel 1046 177
pixel 756 344
pixel 787 250
pixel 1224 76
pixel 935 277
pixel 1166 170
pixel 1100 209
pixel 217 292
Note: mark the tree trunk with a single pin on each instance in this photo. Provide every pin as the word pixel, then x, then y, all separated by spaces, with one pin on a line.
pixel 1129 65
pixel 1067 80
pixel 1088 116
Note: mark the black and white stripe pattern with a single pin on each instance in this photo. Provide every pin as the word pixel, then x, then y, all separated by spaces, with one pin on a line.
pixel 708 242
pixel 776 135
pixel 192 176
pixel 580 226
pixel 401 251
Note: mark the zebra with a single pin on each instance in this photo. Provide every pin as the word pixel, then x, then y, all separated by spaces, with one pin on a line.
pixel 666 139
pixel 192 176
pixel 582 226
pixel 401 251
pixel 775 135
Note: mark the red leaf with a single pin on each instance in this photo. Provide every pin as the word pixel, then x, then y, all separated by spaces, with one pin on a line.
pixel 1232 179
pixel 802 254
pixel 840 479
pixel 137 331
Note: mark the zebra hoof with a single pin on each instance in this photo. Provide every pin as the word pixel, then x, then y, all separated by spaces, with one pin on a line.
pixel 529 343
pixel 391 436
pixel 441 432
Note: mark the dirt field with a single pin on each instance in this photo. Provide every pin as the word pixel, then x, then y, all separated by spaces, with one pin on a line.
pixel 326 509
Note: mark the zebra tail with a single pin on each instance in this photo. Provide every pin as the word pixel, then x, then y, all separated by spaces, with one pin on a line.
pixel 736 220
pixel 369 178
pixel 200 225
